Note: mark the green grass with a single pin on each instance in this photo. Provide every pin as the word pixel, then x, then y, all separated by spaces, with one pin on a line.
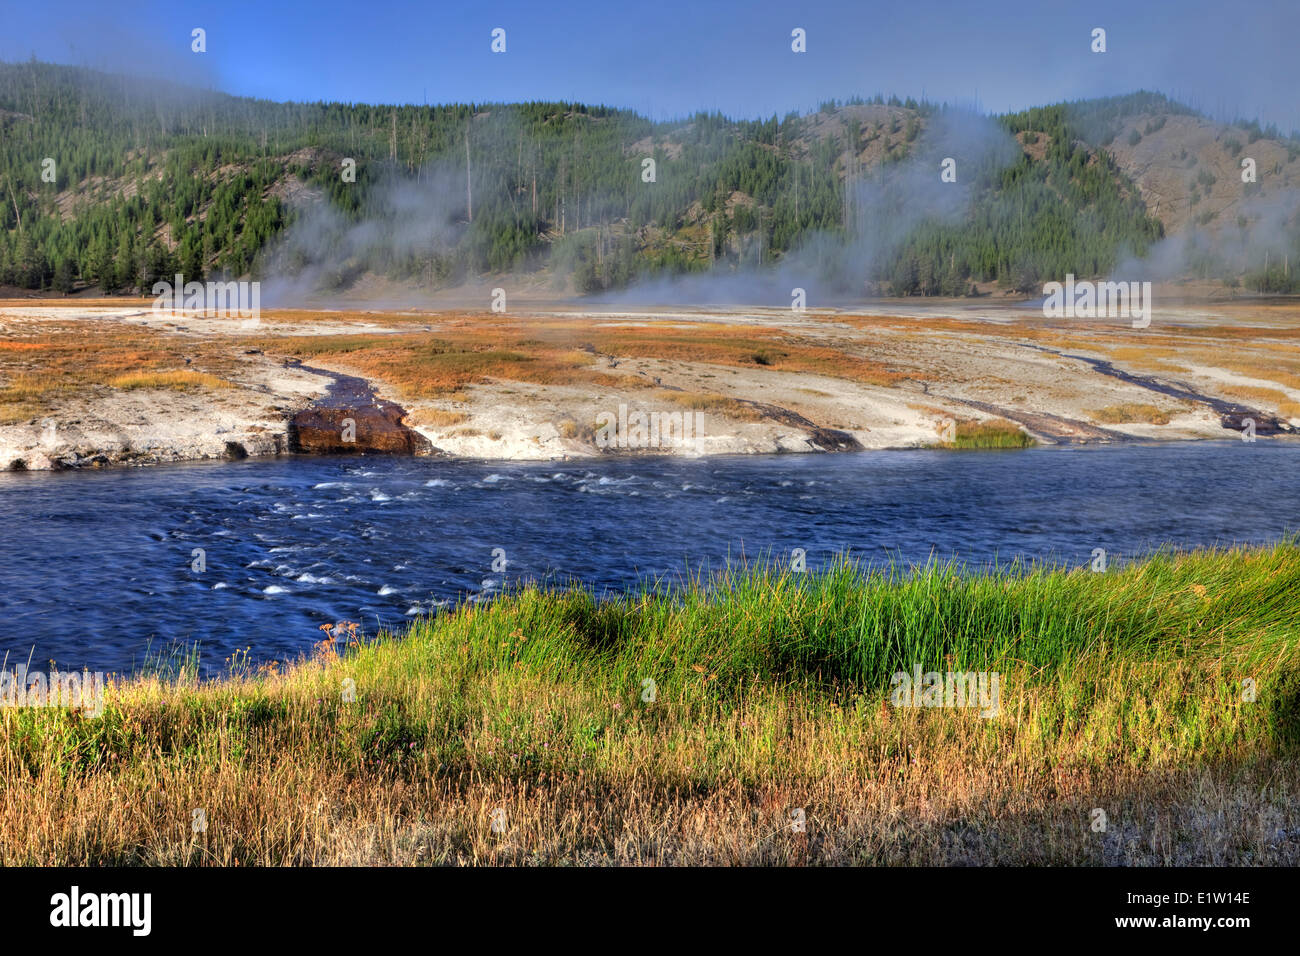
pixel 771 686
pixel 971 435
pixel 841 635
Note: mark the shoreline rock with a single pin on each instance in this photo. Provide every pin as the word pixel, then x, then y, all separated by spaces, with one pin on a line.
pixel 351 419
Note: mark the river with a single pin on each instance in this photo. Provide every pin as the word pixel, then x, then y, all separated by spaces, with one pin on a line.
pixel 96 567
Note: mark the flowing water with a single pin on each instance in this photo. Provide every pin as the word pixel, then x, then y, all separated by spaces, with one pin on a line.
pixel 98 567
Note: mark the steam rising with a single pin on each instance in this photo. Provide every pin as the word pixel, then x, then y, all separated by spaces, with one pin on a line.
pixel 884 207
pixel 406 221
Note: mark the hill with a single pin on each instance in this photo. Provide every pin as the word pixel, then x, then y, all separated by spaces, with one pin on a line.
pixel 113 182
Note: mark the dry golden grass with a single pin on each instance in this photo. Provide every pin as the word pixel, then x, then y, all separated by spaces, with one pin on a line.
pixel 422 365
pixel 25 387
pixel 183 379
pixel 62 359
pixel 1151 359
pixel 69 359
pixel 711 402
pixel 28 395
pixel 1285 373
pixel 1266 398
pixel 944 801
pixel 12 412
pixel 465 719
pixel 1263 336
pixel 893 323
pixel 1131 412
pixel 30 301
pixel 436 417
pixel 749 347
pixel 465 352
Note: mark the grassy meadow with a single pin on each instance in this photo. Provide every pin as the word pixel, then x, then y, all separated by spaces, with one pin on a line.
pixel 1164 694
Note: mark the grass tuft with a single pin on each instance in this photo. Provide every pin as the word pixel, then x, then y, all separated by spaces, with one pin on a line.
pixel 1131 413
pixel 994 434
pixel 181 380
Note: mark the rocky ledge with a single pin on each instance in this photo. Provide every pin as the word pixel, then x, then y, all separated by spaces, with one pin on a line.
pixel 351 419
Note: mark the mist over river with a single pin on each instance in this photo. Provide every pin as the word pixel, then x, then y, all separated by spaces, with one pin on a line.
pixel 96 566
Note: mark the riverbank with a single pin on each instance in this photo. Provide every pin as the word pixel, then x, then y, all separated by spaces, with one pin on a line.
pixel 95 383
pixel 1145 715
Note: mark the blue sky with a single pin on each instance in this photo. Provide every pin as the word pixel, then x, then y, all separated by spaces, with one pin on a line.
pixel 668 58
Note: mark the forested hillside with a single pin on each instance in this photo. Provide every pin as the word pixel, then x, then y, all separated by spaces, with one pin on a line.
pixel 149 180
